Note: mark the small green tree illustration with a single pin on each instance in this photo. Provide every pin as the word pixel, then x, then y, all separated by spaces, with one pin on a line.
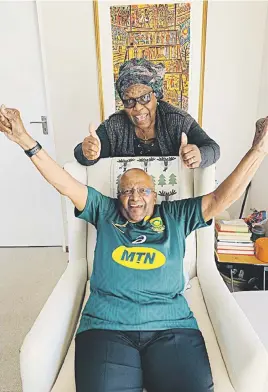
pixel 153 178
pixel 172 179
pixel 162 180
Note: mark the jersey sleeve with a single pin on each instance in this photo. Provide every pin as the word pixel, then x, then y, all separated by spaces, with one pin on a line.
pixel 189 213
pixel 97 204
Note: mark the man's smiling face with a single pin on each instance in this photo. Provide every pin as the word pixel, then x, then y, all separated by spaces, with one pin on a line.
pixel 136 195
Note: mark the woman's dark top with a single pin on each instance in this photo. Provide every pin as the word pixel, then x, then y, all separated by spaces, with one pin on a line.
pixel 118 138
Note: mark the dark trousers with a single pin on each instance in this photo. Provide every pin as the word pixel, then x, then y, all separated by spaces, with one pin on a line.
pixel 174 360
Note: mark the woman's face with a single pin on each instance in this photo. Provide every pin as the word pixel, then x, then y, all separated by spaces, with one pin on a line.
pixel 142 115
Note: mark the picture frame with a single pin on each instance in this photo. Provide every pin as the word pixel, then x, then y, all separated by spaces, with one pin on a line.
pixel 106 11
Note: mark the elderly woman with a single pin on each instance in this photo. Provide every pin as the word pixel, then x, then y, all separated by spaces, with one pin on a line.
pixel 148 125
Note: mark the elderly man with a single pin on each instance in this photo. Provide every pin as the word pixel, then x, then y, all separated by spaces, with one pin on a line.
pixel 137 329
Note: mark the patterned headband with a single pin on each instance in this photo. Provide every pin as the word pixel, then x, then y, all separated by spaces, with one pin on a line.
pixel 141 71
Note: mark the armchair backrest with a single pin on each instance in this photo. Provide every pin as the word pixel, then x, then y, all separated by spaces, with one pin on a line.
pixel 172 182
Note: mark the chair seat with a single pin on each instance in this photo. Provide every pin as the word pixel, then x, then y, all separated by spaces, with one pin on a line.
pixel 66 382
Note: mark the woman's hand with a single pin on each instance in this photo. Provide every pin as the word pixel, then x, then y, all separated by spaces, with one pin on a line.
pixel 189 153
pixel 12 126
pixel 91 145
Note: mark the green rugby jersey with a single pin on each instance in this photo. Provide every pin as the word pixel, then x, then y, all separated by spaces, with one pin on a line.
pixel 138 279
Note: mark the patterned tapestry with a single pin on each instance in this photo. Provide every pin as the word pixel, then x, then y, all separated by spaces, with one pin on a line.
pixel 159 33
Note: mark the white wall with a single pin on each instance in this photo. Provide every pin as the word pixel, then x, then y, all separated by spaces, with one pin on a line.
pixel 235 46
pixel 234 62
pixel 259 189
pixel 68 41
pixel 235 43
pixel 69 58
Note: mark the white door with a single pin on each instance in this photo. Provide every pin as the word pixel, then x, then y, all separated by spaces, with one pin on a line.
pixel 30 208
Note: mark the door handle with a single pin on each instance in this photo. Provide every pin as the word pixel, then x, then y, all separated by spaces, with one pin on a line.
pixel 44 124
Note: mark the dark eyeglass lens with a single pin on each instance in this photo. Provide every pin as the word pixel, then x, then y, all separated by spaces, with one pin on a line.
pixel 145 98
pixel 129 103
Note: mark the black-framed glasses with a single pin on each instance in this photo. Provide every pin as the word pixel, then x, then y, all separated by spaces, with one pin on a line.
pixel 141 191
pixel 143 100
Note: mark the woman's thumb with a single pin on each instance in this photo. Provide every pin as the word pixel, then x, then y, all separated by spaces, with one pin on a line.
pixel 92 131
pixel 184 140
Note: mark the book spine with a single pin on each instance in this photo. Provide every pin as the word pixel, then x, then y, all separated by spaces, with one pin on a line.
pixel 241 239
pixel 232 229
pixel 234 252
pixel 242 248
pixel 235 243
pixel 229 234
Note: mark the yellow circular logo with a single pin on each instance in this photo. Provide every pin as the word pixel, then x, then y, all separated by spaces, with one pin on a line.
pixel 157 224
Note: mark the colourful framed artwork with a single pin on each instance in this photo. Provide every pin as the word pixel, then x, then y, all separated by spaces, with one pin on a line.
pixel 170 32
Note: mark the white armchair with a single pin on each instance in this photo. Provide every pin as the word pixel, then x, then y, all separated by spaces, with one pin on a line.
pixel 238 359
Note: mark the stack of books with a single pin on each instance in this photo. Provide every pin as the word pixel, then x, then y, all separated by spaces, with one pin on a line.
pixel 233 237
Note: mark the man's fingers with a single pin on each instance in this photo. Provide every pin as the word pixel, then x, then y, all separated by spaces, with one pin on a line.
pixel 260 123
pixel 5 129
pixel 10 114
pixel 2 109
pixel 4 121
pixel 4 112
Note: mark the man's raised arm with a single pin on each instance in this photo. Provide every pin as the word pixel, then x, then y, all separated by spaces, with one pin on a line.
pixel 235 184
pixel 12 126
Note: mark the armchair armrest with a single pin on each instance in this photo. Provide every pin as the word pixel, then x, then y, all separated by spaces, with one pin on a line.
pixel 45 346
pixel 244 355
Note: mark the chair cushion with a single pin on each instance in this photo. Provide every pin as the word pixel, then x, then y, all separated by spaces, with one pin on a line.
pixel 66 383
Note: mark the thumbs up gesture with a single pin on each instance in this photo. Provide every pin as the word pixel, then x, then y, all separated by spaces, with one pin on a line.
pixel 91 145
pixel 189 153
